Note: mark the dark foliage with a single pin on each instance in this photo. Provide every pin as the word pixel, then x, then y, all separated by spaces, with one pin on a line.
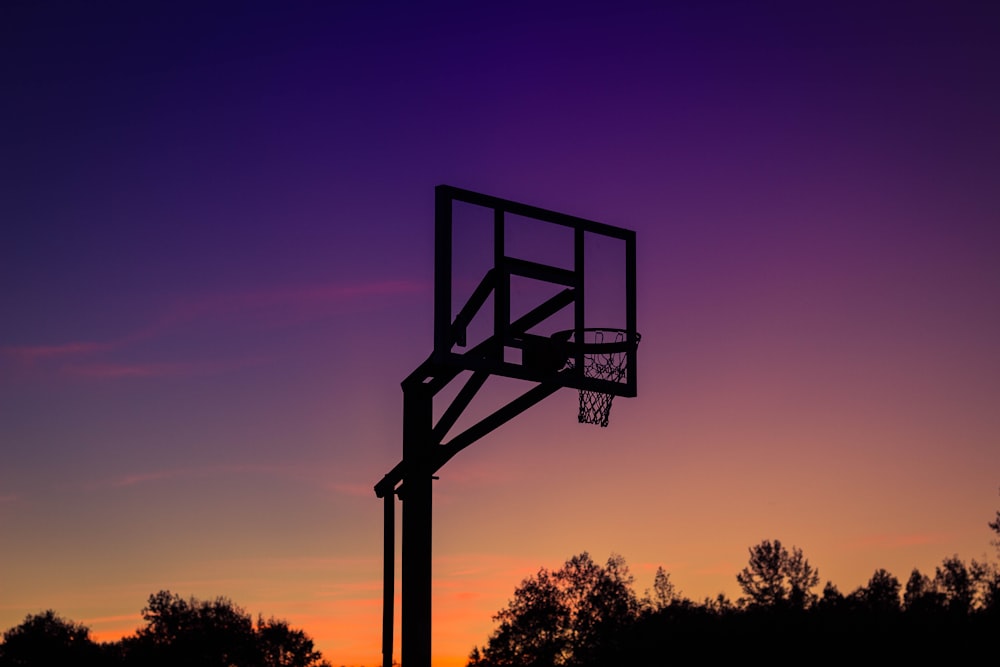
pixel 777 578
pixel 189 632
pixel 556 618
pixel 574 616
pixel 46 639
pixel 995 527
pixel 880 596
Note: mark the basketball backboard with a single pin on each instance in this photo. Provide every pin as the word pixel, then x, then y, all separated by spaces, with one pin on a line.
pixel 517 286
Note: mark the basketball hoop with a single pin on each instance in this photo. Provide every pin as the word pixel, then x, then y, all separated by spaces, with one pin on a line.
pixel 605 357
pixel 486 325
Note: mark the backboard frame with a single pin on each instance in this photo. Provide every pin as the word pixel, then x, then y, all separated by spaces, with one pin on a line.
pixel 450 327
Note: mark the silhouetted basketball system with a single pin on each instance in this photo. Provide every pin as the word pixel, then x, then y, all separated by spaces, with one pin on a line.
pixel 519 292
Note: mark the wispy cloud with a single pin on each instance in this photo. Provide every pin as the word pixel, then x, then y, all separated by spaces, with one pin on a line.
pixel 720 567
pixel 353 490
pixel 32 354
pixel 113 370
pixel 272 307
pixel 890 541
pixel 140 478
pixel 77 360
pixel 296 302
pixel 147 477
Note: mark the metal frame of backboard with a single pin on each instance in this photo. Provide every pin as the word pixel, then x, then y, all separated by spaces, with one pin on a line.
pixel 449 332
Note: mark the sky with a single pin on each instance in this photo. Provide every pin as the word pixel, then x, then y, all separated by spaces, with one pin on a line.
pixel 216 268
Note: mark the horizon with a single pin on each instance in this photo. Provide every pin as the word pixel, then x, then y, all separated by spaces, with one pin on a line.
pixel 747 603
pixel 219 268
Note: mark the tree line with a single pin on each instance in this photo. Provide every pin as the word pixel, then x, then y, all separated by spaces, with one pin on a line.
pixel 176 631
pixel 588 615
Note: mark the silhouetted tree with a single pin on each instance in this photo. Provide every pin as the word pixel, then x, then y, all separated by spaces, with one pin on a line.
pixel 605 605
pixel 954 581
pixel 586 616
pixel 663 594
pixel 177 632
pixel 718 605
pixel 214 634
pixel 881 595
pixel 572 617
pixel 475 658
pixel 46 639
pixel 920 594
pixel 987 575
pixel 986 584
pixel 192 632
pixel 532 628
pixel 831 598
pixel 281 646
pixel 777 578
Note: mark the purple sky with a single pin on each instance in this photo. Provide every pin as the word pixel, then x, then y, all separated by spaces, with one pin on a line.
pixel 216 269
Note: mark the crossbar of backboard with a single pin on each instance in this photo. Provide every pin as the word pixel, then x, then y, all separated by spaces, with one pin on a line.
pixel 536 271
pixel 567 377
pixel 445 452
pixel 458 405
pixel 471 307
pixel 542 312
pixel 437 374
pixel 450 192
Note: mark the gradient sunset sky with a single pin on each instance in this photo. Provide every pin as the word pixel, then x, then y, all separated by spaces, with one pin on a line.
pixel 216 266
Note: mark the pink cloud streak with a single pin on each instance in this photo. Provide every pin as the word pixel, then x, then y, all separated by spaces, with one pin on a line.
pixel 896 541
pixel 31 354
pixel 306 299
pixel 134 479
pixel 270 305
pixel 113 370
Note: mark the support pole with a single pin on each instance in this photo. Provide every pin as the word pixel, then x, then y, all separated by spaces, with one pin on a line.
pixel 388 577
pixel 417 501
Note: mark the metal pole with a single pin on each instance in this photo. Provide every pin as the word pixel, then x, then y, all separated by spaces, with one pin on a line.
pixel 417 501
pixel 388 578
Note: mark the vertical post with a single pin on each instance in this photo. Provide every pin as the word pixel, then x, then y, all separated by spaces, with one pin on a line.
pixel 442 271
pixel 501 291
pixel 630 309
pixel 388 577
pixel 580 303
pixel 417 499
